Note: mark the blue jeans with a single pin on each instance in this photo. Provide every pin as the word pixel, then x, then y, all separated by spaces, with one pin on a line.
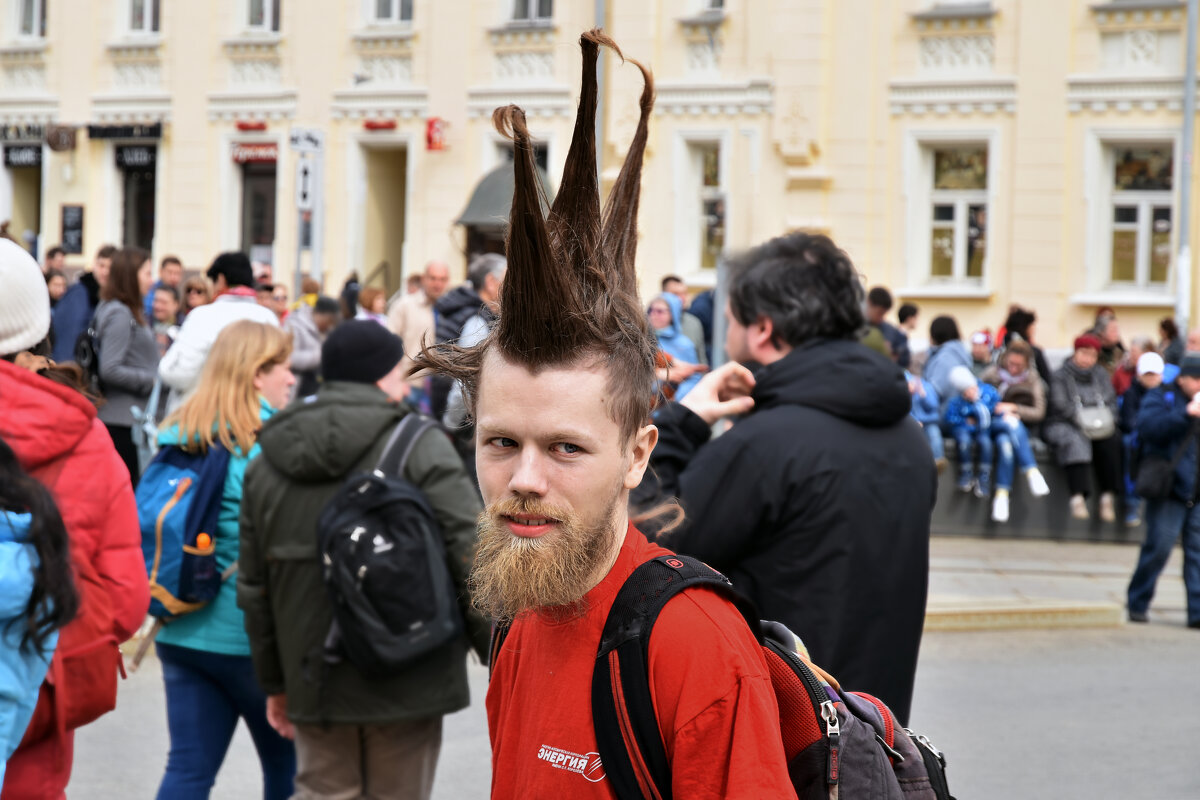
pixel 1012 449
pixel 206 694
pixel 933 435
pixel 963 437
pixel 1165 521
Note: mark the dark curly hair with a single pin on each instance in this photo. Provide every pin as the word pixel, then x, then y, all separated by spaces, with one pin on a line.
pixel 804 284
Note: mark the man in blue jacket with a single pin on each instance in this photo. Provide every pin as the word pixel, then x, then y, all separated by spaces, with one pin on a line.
pixel 76 308
pixel 1165 423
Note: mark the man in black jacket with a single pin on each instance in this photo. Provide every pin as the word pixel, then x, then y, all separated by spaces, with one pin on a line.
pixel 816 504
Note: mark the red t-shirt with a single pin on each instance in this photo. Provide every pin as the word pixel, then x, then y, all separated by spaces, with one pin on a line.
pixel 710 686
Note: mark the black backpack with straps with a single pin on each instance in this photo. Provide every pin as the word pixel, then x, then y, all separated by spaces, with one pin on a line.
pixel 384 564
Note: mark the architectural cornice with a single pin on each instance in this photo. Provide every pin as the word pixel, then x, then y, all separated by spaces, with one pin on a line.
pixel 384 36
pixel 130 107
pixel 406 103
pixel 939 11
pixel 268 104
pixel 1105 92
pixel 751 97
pixel 138 47
pixel 538 101
pixel 28 109
pixel 968 96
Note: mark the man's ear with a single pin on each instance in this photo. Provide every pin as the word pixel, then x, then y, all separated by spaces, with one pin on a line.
pixel 643 445
pixel 760 336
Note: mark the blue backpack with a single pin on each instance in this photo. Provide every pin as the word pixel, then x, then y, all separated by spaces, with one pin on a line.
pixel 178 500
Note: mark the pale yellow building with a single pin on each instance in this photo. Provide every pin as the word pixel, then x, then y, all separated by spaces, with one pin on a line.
pixel 967 154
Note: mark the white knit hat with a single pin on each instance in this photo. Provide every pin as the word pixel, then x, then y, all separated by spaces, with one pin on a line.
pixel 24 300
pixel 961 378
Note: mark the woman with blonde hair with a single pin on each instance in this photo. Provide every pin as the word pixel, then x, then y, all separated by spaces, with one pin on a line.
pixel 196 292
pixel 205 655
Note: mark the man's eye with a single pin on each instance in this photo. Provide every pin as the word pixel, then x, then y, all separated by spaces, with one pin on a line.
pixel 566 448
pixel 501 441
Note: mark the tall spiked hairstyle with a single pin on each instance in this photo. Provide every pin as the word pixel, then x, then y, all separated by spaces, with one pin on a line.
pixel 570 295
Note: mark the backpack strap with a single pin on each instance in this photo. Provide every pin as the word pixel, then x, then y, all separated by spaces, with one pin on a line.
pixel 627 734
pixel 400 445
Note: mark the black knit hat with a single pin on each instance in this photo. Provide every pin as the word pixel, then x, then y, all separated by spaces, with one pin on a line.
pixel 235 267
pixel 360 351
pixel 1189 365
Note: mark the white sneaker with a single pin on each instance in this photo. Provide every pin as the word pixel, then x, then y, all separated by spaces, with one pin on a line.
pixel 1000 507
pixel 1079 508
pixel 1037 482
pixel 1108 512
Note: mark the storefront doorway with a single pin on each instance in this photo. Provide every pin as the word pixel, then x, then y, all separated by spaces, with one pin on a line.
pixel 383 254
pixel 259 185
pixel 138 166
pixel 23 172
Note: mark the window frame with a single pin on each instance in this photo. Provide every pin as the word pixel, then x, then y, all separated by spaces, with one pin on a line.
pixel 38 20
pixel 272 12
pixel 395 18
pixel 919 198
pixel 532 13
pixel 691 195
pixel 152 14
pixel 1146 202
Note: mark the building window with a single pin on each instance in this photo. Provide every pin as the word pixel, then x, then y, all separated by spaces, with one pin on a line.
pixel 263 15
pixel 393 11
pixel 714 5
pixel 533 10
pixel 710 203
pixel 143 16
pixel 1142 214
pixel 958 219
pixel 31 18
pixel 541 154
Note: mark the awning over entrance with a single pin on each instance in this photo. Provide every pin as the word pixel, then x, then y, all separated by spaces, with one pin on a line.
pixel 491 201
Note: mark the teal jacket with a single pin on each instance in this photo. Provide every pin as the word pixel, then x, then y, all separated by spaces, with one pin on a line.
pixel 218 627
pixel 22 668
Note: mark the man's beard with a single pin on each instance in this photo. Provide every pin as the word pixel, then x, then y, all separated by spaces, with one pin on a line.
pixel 549 574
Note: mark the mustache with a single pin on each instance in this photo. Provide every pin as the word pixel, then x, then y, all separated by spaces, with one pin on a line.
pixel 525 506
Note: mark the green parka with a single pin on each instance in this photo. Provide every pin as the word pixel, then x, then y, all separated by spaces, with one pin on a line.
pixel 308 450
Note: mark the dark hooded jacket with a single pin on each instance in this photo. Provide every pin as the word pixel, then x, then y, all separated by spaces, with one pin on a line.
pixel 74 311
pixel 450 314
pixel 308 449
pixel 817 507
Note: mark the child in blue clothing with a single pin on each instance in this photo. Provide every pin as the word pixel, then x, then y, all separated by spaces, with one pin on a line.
pixel 976 415
pixel 926 410
pixel 37 595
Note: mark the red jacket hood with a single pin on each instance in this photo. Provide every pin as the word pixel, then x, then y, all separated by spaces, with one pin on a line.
pixel 40 419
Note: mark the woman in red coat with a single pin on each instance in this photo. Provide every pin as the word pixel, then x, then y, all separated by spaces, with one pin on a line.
pixel 53 430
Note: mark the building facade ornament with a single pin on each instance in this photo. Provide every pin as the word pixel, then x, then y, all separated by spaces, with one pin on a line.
pixel 1102 93
pixel 957 54
pixel 942 97
pixel 537 101
pixel 750 97
pixel 372 103
pixel 524 66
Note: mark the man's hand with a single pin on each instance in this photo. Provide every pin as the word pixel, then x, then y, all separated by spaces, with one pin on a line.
pixel 1193 407
pixel 680 371
pixel 1003 409
pixel 724 392
pixel 277 716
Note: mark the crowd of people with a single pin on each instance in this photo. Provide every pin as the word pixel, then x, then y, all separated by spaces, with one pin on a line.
pixel 575 444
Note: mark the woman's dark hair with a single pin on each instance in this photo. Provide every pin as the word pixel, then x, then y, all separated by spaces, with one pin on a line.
pixel 67 374
pixel 54 273
pixel 804 284
pixel 123 283
pixel 1169 329
pixel 54 600
pixel 1018 322
pixel 906 311
pixel 943 329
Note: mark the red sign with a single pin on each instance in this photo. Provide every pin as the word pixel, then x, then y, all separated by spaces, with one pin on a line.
pixel 251 126
pixel 380 124
pixel 259 152
pixel 435 134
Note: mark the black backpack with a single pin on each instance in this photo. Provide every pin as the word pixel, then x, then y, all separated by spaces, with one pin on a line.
pixel 87 356
pixel 837 742
pixel 384 564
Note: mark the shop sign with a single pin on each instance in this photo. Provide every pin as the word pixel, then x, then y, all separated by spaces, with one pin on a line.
pixel 24 155
pixel 136 156
pixel 22 133
pixel 71 234
pixel 151 131
pixel 60 137
pixel 258 152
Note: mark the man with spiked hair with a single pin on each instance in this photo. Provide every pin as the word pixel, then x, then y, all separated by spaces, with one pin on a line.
pixel 561 394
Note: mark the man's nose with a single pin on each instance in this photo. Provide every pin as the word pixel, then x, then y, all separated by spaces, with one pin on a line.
pixel 529 477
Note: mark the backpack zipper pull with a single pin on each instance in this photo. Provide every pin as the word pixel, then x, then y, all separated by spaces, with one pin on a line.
pixel 833 732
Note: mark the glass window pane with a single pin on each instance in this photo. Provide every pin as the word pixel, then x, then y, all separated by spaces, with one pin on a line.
pixel 941 262
pixel 275 15
pixel 960 168
pixel 545 9
pixel 711 165
pixel 976 240
pixel 383 9
pixel 713 235
pixel 257 12
pixel 27 16
pixel 137 15
pixel 154 16
pixel 1125 215
pixel 943 213
pixel 1160 245
pixel 1146 169
pixel 42 18
pixel 406 10
pixel 520 9
pixel 1124 256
